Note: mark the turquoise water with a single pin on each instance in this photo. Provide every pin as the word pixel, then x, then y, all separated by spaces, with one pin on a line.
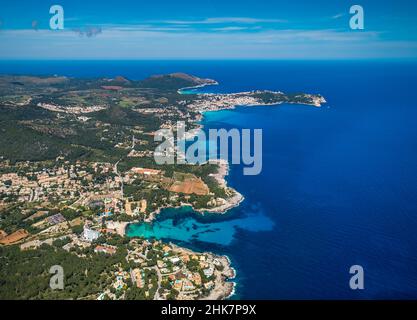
pixel 174 225
pixel 338 185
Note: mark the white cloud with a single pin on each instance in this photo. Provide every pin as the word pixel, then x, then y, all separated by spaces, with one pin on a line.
pixel 144 42
pixel 338 16
pixel 222 20
pixel 234 28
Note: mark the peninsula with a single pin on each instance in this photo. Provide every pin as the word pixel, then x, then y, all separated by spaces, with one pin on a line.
pixel 77 166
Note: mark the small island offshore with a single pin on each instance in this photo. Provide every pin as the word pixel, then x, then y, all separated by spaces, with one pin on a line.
pixel 77 167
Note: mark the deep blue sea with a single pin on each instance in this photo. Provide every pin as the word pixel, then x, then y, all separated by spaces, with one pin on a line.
pixel 338 185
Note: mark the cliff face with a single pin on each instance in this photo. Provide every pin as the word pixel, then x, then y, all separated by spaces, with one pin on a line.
pixel 192 79
pixel 174 81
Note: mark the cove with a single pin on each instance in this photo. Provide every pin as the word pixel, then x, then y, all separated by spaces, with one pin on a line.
pixel 183 225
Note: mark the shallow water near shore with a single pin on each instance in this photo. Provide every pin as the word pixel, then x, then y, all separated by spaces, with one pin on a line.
pixel 186 226
pixel 338 185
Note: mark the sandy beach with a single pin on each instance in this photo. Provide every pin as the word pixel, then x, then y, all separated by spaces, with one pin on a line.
pixel 118 226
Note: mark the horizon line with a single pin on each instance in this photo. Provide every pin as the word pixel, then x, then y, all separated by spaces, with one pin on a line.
pixel 210 59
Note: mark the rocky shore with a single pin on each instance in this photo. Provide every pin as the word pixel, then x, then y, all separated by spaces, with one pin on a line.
pixel 220 177
pixel 223 287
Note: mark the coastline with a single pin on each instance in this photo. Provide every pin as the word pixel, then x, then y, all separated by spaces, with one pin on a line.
pixel 213 83
pixel 223 289
pixel 220 176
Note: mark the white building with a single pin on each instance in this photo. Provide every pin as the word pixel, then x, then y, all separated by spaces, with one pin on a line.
pixel 90 235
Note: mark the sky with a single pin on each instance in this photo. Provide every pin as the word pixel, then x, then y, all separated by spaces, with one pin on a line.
pixel 208 29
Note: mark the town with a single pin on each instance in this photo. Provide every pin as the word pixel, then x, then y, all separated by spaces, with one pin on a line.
pixel 77 169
